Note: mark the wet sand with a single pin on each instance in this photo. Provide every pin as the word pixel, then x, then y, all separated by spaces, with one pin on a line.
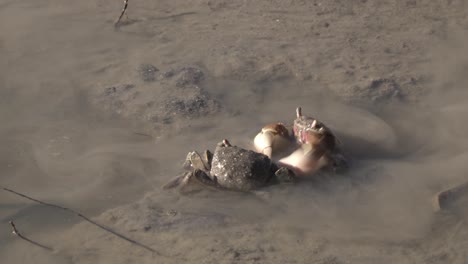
pixel 97 119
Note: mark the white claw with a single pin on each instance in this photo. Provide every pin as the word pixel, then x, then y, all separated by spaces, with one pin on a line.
pixel 300 163
pixel 273 139
pixel 264 143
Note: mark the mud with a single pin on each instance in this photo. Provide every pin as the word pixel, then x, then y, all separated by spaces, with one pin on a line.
pixel 98 119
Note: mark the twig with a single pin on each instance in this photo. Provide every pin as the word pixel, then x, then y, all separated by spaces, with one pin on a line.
pixel 107 229
pixel 17 233
pixel 123 12
pixel 142 134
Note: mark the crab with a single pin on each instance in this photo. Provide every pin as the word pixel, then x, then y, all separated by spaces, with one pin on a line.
pixel 282 155
pixel 229 168
pixel 314 145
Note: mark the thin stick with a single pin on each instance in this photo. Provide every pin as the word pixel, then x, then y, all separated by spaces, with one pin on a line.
pixel 17 233
pixel 142 134
pixel 123 12
pixel 107 229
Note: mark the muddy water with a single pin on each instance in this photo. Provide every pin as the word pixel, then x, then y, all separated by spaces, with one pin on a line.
pixel 60 146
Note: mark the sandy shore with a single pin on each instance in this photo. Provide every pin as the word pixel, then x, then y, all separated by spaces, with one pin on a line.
pixel 97 118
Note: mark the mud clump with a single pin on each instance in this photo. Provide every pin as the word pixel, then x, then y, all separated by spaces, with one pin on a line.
pixel 148 72
pixel 116 97
pixel 194 106
pixel 383 89
pixel 170 97
pixel 189 76
pixel 376 91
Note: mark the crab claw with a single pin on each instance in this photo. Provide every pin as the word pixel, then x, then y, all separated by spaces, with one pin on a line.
pixel 273 138
pixel 313 154
pixel 304 161
pixel 179 182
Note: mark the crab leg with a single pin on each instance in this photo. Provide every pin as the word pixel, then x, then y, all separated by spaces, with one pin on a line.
pixel 179 181
pixel 449 198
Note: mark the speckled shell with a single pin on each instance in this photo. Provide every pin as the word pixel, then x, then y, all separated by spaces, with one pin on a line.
pixel 240 169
